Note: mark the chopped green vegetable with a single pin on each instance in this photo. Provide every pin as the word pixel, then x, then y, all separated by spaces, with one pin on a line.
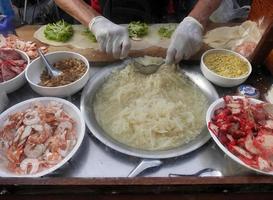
pixel 165 32
pixel 90 35
pixel 60 31
pixel 137 29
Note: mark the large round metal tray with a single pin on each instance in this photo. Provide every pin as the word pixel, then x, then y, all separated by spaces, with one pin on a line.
pixel 87 109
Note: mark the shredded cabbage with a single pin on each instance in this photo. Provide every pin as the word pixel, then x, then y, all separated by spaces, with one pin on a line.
pixel 151 112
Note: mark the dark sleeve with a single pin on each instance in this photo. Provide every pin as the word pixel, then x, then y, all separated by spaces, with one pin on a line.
pixel 125 11
pixel 106 6
pixel 183 8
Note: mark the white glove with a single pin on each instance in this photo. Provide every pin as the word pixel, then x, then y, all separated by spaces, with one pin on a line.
pixel 185 41
pixel 113 39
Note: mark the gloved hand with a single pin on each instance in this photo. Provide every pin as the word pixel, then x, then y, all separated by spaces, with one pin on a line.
pixel 113 39
pixel 185 41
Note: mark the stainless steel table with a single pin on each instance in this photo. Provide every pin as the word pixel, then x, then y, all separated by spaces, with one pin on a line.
pixel 94 159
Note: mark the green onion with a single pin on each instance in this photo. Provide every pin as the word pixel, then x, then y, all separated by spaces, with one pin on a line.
pixel 165 32
pixel 60 31
pixel 137 29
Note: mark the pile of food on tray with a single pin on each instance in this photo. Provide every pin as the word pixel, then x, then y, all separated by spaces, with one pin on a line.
pixel 155 115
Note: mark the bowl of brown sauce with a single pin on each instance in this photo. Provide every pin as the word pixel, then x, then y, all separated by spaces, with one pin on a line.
pixel 75 74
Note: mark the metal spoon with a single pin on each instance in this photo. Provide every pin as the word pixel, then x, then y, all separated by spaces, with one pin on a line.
pixel 207 172
pixel 143 165
pixel 147 69
pixel 52 71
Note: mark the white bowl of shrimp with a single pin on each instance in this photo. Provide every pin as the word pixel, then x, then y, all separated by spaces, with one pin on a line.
pixel 38 136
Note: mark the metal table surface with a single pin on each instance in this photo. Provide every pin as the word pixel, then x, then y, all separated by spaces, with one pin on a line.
pixel 94 159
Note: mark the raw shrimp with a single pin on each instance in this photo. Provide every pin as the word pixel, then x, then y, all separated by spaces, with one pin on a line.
pixel 31 118
pixel 30 166
pixel 62 127
pixel 69 145
pixel 37 138
pixel 37 127
pixel 52 158
pixel 55 143
pixel 14 154
pixel 41 136
pixel 30 47
pixel 34 151
pixel 18 133
pixel 26 132
pixel 21 135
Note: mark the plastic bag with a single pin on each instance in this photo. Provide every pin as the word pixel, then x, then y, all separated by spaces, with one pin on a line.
pixel 229 10
pixel 6 25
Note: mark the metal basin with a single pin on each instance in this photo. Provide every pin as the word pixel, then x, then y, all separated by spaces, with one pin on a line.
pixel 96 82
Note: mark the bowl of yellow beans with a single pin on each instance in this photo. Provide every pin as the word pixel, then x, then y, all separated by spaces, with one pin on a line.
pixel 225 68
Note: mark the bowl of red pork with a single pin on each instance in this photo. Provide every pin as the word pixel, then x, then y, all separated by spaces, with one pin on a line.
pixel 243 129
pixel 13 63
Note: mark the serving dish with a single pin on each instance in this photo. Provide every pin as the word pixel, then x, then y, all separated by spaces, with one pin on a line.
pixel 219 103
pixel 88 97
pixel 69 108
pixel 36 67
pixel 221 80
pixel 19 80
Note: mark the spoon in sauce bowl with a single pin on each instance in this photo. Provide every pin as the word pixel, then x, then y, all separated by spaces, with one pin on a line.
pixel 52 71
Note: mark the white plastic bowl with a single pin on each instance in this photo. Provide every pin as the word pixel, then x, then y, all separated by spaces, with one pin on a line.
pixel 219 103
pixel 19 80
pixel 36 67
pixel 69 108
pixel 221 80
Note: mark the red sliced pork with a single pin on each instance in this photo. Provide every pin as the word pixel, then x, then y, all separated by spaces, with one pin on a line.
pixel 11 64
pixel 263 164
pixel 246 130
pixel 10 54
pixel 250 146
pixel 6 73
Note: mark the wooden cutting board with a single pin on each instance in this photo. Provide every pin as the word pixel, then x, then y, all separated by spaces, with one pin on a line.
pixel 26 33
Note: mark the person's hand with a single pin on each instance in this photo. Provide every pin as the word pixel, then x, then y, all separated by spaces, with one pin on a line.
pixel 113 39
pixel 185 41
